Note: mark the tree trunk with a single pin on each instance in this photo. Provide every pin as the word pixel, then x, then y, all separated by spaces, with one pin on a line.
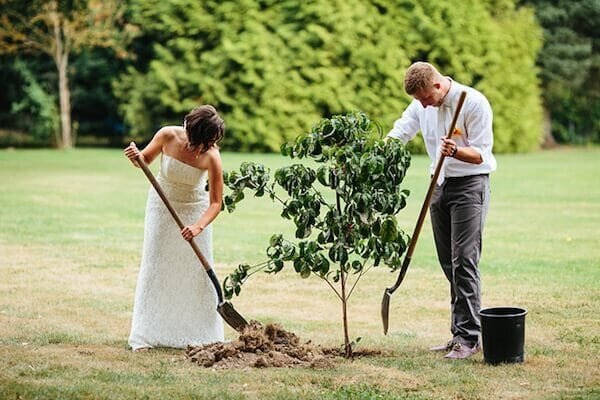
pixel 61 58
pixel 347 346
pixel 65 104
pixel 548 141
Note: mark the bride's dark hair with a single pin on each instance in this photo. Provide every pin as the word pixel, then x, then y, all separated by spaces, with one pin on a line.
pixel 204 127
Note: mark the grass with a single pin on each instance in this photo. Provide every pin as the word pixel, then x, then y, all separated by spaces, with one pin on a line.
pixel 70 242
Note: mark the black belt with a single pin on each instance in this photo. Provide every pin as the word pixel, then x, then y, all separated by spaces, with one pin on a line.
pixel 457 178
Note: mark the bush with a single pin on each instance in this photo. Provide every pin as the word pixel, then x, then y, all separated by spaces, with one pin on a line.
pixel 272 68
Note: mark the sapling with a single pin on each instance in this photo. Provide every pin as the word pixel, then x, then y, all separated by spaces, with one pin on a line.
pixel 339 237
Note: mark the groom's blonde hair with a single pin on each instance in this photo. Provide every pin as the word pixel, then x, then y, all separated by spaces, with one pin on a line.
pixel 419 76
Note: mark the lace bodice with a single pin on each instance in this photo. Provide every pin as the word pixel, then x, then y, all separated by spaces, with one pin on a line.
pixel 181 181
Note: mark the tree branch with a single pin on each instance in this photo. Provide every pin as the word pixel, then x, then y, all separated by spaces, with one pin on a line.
pixel 332 287
pixel 362 272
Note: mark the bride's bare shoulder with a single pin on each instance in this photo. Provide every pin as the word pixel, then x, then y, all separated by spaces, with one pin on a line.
pixel 170 133
pixel 213 153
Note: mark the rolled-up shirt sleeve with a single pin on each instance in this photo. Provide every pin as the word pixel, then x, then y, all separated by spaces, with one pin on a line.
pixel 478 121
pixel 408 125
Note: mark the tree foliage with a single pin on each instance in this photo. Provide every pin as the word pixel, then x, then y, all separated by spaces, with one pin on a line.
pixel 273 67
pixel 58 29
pixel 95 107
pixel 570 67
pixel 39 104
pixel 340 236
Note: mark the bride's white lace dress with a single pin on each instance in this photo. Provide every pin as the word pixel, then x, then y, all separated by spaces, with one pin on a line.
pixel 175 302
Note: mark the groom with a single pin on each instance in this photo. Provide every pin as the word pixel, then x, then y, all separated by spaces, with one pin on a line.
pixel 461 197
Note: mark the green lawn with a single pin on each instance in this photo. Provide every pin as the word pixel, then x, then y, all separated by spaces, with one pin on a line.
pixel 70 242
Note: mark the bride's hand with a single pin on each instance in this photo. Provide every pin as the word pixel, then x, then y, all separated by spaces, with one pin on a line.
pixel 191 231
pixel 132 153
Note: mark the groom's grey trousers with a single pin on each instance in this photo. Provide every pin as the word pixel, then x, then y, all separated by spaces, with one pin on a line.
pixel 458 210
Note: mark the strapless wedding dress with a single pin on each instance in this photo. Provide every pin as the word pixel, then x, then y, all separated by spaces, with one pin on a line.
pixel 175 302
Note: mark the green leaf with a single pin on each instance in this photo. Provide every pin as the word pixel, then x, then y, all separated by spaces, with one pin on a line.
pixel 276 240
pixel 239 196
pixel 303 232
pixel 305 271
pixel 278 265
pixel 323 264
pixel 227 289
pixel 336 276
pixel 289 251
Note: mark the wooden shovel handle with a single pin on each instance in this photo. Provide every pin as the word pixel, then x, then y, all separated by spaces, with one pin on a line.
pixel 423 213
pixel 434 178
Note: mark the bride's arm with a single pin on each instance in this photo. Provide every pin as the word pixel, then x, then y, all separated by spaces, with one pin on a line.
pixel 215 184
pixel 153 149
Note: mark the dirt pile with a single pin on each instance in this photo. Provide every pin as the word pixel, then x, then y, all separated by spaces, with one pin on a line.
pixel 261 347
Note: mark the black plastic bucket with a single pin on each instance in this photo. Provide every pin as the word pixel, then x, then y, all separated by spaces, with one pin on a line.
pixel 503 334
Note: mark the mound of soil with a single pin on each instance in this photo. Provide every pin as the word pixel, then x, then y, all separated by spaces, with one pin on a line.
pixel 261 347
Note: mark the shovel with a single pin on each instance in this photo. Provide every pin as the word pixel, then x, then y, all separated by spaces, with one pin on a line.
pixel 387 295
pixel 224 308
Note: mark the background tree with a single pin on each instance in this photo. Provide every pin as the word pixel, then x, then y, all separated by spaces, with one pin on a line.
pixel 273 67
pixel 570 67
pixel 38 103
pixel 28 102
pixel 59 28
pixel 95 107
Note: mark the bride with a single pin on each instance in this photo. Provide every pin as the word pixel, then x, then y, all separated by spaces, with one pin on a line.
pixel 175 304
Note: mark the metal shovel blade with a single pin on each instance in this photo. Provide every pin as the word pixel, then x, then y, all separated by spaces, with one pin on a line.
pixel 385 310
pixel 387 295
pixel 231 316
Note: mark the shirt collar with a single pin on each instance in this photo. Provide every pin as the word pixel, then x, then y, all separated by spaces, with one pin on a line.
pixel 452 95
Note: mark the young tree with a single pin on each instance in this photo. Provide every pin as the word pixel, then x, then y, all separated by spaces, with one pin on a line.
pixel 340 237
pixel 59 29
